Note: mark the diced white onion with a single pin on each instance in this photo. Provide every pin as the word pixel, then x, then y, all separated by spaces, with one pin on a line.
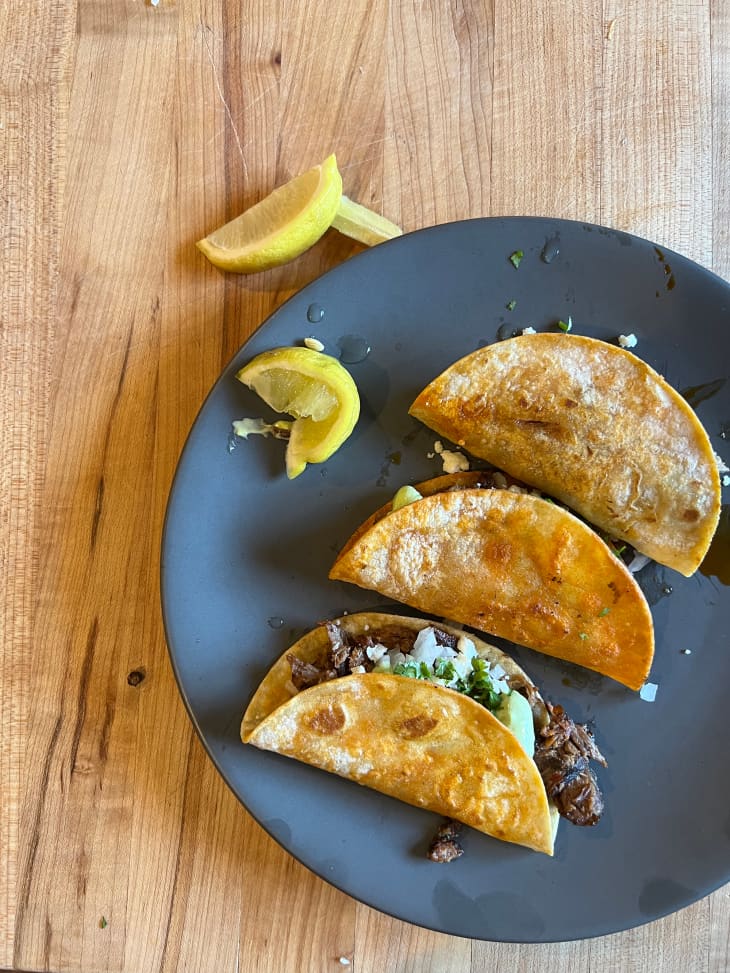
pixel 462 665
pixel 426 648
pixel 376 652
pixel 638 562
pixel 466 647
pixel 648 691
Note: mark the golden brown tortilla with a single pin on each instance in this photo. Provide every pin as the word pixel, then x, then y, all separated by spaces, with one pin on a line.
pixel 423 744
pixel 593 426
pixel 437 484
pixel 277 688
pixel 513 565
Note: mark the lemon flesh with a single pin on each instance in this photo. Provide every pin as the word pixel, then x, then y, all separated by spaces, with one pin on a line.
pixel 282 226
pixel 316 390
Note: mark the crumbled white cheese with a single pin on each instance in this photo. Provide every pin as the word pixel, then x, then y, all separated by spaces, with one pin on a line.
pixel 343 959
pixel 314 343
pixel 528 330
pixel 358 669
pixel 453 461
pixel 648 692
pixel 726 480
pixel 721 464
pixel 686 651
pixel 628 340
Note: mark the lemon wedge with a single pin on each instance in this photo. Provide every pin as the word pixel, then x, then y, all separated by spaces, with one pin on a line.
pixel 290 220
pixel 362 224
pixel 316 390
pixel 284 224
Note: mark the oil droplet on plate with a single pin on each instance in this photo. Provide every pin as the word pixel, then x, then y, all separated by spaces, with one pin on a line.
pixel 274 622
pixel 315 313
pixel 551 250
pixel 696 394
pixel 505 331
pixel 353 348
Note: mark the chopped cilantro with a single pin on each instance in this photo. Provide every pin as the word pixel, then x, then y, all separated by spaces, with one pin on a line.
pixel 603 612
pixel 408 669
pixel 444 669
pixel 566 325
pixel 618 551
pixel 511 305
pixel 515 258
pixel 479 685
pixel 583 636
pixel 103 923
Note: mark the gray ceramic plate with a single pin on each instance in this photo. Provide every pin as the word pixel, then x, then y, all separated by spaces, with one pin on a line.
pixel 246 554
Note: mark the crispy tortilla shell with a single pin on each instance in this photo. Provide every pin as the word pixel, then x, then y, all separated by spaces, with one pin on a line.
pixel 276 688
pixel 420 743
pixel 592 425
pixel 515 566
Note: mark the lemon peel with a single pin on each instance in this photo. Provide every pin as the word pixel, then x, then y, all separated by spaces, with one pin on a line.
pixel 290 220
pixel 281 226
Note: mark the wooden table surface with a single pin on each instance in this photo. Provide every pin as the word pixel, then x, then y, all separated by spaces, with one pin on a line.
pixel 127 131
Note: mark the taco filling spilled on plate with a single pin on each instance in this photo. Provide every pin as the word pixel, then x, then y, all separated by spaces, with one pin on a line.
pixel 512 750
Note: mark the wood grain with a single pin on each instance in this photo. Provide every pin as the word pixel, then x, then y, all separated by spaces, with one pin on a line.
pixel 127 131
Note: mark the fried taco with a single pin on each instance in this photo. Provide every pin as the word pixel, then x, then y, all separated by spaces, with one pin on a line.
pixel 435 717
pixel 593 426
pixel 510 563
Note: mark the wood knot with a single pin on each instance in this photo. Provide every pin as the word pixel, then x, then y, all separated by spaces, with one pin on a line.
pixel 136 676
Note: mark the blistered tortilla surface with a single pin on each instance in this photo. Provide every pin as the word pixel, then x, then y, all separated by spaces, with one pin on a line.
pixel 515 566
pixel 592 425
pixel 422 744
pixel 277 688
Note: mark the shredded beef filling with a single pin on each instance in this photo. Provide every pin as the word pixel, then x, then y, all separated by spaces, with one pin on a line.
pixel 562 754
pixel 445 846
pixel 563 749
pixel 346 653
